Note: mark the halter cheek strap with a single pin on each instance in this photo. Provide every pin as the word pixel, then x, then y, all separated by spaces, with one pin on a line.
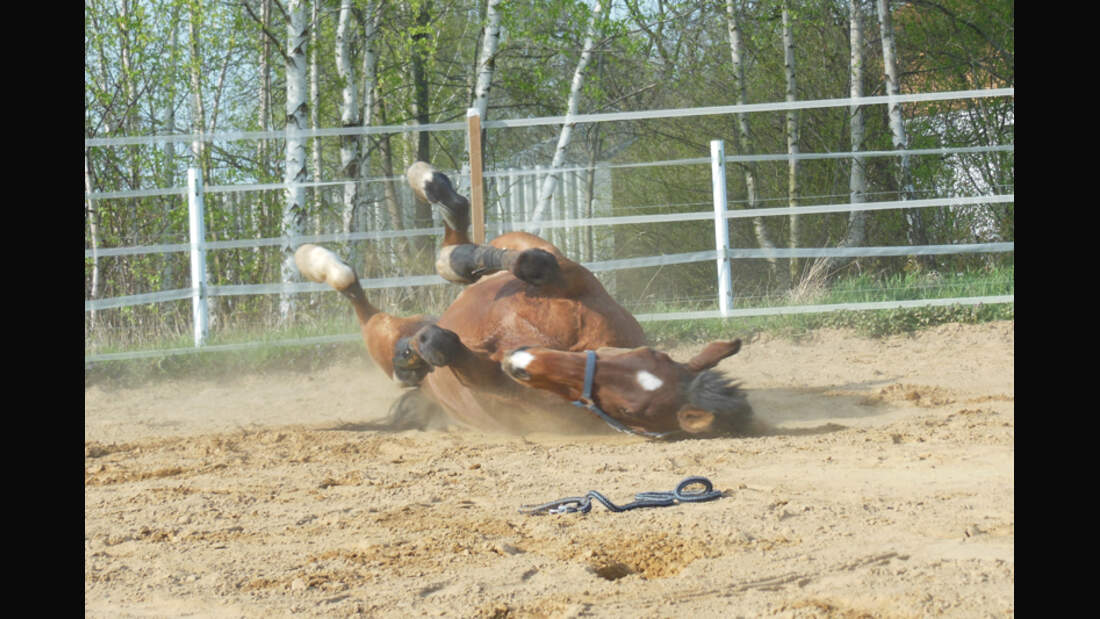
pixel 586 401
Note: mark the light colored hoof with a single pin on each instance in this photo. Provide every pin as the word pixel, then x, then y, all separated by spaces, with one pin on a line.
pixel 323 266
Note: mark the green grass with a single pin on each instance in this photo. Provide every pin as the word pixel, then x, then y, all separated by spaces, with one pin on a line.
pixel 269 355
pixel 858 289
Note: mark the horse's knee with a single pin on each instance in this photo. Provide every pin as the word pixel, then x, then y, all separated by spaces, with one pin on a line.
pixel 536 267
pixel 438 346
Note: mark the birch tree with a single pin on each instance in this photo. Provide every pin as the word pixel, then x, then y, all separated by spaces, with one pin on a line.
pixel 913 219
pixel 792 134
pixel 740 90
pixel 349 114
pixel 370 19
pixel 93 235
pixel 487 58
pixel 550 183
pixel 295 175
pixel 315 109
pixel 198 114
pixel 857 179
pixel 486 63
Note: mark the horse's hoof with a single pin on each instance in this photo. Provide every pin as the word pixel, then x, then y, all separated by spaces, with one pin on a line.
pixel 408 367
pixel 436 345
pixel 536 267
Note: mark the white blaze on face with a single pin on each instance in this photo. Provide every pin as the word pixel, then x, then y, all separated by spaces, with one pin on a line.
pixel 521 359
pixel 648 381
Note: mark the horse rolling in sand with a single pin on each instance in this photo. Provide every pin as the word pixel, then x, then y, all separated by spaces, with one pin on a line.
pixel 532 343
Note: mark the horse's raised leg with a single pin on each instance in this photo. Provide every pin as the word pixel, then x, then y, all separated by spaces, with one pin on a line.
pixel 529 258
pixel 388 338
pixel 465 264
pixel 432 186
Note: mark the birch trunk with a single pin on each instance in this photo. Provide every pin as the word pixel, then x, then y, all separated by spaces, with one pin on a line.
pixel 93 233
pixel 349 116
pixel 370 78
pixel 486 64
pixel 550 183
pixel 792 136
pixel 314 121
pixel 857 180
pixel 487 59
pixel 914 229
pixel 744 137
pixel 198 115
pixel 295 174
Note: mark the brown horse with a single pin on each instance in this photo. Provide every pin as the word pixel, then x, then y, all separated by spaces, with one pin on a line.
pixel 511 352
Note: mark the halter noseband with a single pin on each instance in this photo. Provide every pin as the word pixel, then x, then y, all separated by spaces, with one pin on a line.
pixel 586 401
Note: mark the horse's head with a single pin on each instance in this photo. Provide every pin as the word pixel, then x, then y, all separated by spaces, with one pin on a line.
pixel 642 388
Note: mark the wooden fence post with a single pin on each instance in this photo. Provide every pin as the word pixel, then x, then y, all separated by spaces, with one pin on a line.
pixel 477 198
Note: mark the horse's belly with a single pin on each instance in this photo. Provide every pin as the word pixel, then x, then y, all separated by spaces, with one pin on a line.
pixel 499 314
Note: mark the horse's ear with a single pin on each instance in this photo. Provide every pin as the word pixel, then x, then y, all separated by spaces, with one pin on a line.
pixel 712 354
pixel 695 420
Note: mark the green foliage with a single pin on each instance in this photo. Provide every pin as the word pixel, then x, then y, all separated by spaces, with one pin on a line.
pixel 671 54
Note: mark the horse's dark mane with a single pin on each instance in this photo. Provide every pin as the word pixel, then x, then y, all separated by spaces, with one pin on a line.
pixel 713 391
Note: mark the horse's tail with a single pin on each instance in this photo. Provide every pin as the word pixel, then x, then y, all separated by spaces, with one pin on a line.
pixel 324 267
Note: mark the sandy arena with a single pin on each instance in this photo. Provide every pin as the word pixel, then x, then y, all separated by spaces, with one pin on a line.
pixel 887 491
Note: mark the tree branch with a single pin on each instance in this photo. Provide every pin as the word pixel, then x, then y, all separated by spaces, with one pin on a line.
pixel 268 33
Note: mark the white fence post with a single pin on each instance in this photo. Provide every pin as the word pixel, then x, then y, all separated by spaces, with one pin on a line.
pixel 721 224
pixel 199 310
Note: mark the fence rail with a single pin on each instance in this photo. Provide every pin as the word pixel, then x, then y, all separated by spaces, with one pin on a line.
pixel 722 254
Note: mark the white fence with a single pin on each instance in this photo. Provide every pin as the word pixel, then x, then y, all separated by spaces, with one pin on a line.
pixel 514 190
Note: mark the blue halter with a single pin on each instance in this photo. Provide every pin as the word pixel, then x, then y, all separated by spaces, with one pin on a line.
pixel 586 401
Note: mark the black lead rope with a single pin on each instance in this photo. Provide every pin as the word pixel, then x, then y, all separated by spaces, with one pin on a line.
pixel 643 499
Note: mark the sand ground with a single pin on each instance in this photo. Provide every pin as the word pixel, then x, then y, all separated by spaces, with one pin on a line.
pixel 886 491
